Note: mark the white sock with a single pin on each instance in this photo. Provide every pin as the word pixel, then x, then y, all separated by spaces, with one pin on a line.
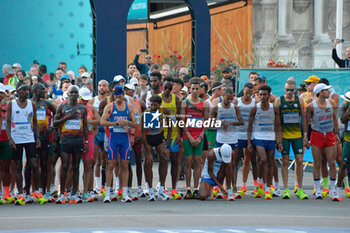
pixel 277 185
pixel 265 186
pixel 146 185
pixel 40 190
pixel 150 191
pixel 176 185
pixel 97 182
pixel 108 191
pixel 117 183
pixel 295 182
pixel 125 191
pixel 332 185
pixel 244 184
pixel 161 189
pixel 317 185
pixel 260 180
pixel 267 189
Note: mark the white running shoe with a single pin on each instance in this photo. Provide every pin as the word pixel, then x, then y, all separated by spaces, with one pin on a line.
pixel 132 195
pixel 151 197
pixel 335 195
pixel 318 195
pixel 163 196
pixel 276 193
pixel 126 199
pixel 107 199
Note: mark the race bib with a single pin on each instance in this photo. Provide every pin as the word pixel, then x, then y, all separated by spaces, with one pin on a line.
pixel 118 129
pixel 40 114
pixel 266 127
pixel 326 126
pixel 3 125
pixel 73 124
pixel 23 128
pixel 138 118
pixel 291 117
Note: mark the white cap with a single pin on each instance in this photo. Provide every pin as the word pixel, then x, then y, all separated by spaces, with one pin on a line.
pixel 134 81
pixel 9 88
pixel 118 78
pixel 184 90
pixel 2 88
pixel 65 95
pixel 86 75
pixel 34 77
pixel 226 153
pixel 17 65
pixel 346 96
pixel 85 93
pixel 320 87
pixel 130 86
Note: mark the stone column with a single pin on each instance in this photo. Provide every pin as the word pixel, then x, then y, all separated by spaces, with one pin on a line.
pixel 321 21
pixel 285 8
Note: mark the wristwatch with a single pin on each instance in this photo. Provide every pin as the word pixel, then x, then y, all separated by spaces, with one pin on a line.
pixel 200 137
pixel 86 142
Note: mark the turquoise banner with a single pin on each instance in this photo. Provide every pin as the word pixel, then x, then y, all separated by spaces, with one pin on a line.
pixel 138 10
pixel 276 78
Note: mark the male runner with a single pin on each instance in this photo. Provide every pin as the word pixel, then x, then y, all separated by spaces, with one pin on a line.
pixel 72 118
pixel 267 130
pixel 44 119
pixel 291 110
pixel 216 167
pixel 194 110
pixel 118 116
pixel 155 81
pixel 23 133
pixel 324 136
pixel 155 138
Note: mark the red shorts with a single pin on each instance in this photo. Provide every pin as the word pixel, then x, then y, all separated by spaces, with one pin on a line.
pixel 322 140
pixel 90 153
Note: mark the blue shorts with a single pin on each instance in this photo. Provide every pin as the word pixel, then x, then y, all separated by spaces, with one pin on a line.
pixel 100 139
pixel 233 146
pixel 118 143
pixel 244 143
pixel 208 180
pixel 173 146
pixel 267 144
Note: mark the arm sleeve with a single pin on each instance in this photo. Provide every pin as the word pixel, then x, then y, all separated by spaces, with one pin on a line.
pixel 336 59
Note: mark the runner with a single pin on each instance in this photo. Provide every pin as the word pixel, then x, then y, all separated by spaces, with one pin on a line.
pixel 71 117
pixel 23 133
pixel 245 104
pixel 195 110
pixel 324 136
pixel 172 103
pixel 230 117
pixel 118 116
pixel 291 110
pixel 44 118
pixel 216 167
pixel 155 81
pixel 155 138
pixel 267 128
pixel 88 157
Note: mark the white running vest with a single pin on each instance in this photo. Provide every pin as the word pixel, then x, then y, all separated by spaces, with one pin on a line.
pixel 216 166
pixel 211 106
pixel 229 115
pixel 322 120
pixel 264 127
pixel 242 130
pixel 96 103
pixel 148 103
pixel 21 129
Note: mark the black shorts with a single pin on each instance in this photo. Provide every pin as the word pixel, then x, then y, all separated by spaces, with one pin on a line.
pixel 30 149
pixel 205 143
pixel 72 145
pixel 44 140
pixel 155 140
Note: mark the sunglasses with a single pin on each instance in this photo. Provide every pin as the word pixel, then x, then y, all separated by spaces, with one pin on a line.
pixel 308 83
pixel 291 90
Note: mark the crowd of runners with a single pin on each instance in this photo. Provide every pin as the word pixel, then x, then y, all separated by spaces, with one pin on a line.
pixel 52 124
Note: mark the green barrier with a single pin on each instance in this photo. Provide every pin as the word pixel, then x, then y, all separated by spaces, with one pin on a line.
pixel 276 78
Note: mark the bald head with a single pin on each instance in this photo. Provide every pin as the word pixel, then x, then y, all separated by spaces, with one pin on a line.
pixel 73 88
pixel 102 87
pixel 347 53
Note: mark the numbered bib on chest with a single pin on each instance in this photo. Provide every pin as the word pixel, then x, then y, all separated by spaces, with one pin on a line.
pixel 266 127
pixel 118 129
pixel 41 114
pixel 73 124
pixel 3 125
pixel 291 117
pixel 137 115
pixel 348 127
pixel 23 128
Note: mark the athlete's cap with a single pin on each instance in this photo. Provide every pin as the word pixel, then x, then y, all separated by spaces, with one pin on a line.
pixel 346 96
pixel 134 81
pixel 17 65
pixel 2 88
pixel 226 151
pixel 34 77
pixel 85 75
pixel 118 90
pixel 23 86
pixel 118 78
pixel 227 70
pixel 64 77
pixel 85 93
pixel 130 86
pixel 184 90
pixel 312 79
pixel 320 87
pixel 9 88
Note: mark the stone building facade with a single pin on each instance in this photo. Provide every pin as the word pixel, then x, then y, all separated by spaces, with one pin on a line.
pixel 300 31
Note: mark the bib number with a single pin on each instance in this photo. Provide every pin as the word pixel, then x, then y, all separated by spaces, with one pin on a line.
pixel 3 125
pixel 266 128
pixel 40 114
pixel 291 118
pixel 73 124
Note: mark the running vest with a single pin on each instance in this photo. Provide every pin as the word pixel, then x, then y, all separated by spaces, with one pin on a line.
pixel 173 112
pixel 21 127
pixel 148 96
pixel 96 103
pixel 347 127
pixel 228 115
pixel 155 130
pixel 194 113
pixel 242 130
pixel 290 118
pixel 44 117
pixel 264 128
pixel 216 165
pixel 90 117
pixel 3 135
pixel 211 106
pixel 137 111
pixel 72 127
pixel 322 120
pixel 117 115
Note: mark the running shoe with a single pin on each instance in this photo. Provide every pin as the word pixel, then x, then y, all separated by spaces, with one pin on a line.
pixel 35 196
pixel 261 190
pixel 1 200
pixel 347 192
pixel 126 199
pixel 243 190
pixel 132 195
pixel 220 195
pixel 145 190
pixel 272 188
pixel 42 200
pixel 74 199
pixel 335 195
pixel 325 192
pixel 140 193
pixel 86 198
pixel 48 197
pixel 113 196
pixel 62 199
pixel 301 195
pixel 196 194
pixel 237 195
pixel 151 197
pixel 314 191
pixel 215 190
pixel 120 194
pixel 175 195
pixel 103 192
pixel 163 196
pixel 189 194
pixel 107 199
pixel 276 193
pixel 53 192
pixel 9 199
pixel 318 195
pixel 286 194
pixel 296 188
pixel 230 196
pixel 93 195
pixel 268 195
pixel 28 199
pixel 20 200
pixel 256 193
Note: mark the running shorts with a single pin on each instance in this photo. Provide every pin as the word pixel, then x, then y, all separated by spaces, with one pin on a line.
pixel 233 146
pixel 267 144
pixel 155 140
pixel 5 150
pixel 90 153
pixel 297 146
pixel 322 140
pixel 345 153
pixel 189 150
pixel 30 149
pixel 211 137
pixel 118 143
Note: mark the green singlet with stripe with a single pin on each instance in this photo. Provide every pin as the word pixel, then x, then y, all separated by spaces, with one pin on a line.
pixel 347 127
pixel 290 115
